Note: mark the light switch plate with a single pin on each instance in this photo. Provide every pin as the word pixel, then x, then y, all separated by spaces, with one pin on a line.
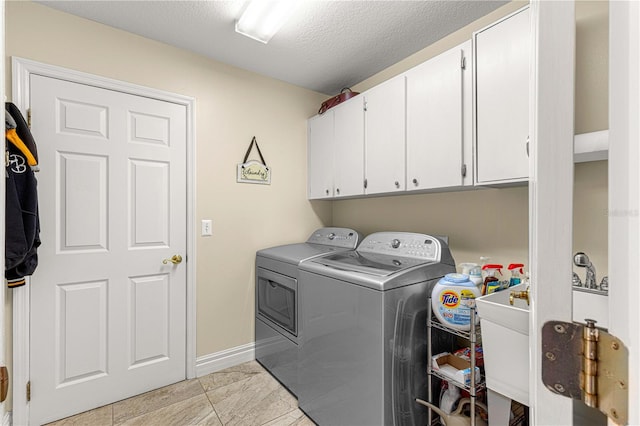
pixel 207 226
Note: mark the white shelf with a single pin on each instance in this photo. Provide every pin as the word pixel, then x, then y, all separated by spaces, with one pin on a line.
pixel 592 146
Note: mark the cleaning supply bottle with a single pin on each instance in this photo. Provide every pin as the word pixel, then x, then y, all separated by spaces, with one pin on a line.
pixel 452 298
pixel 449 397
pixel 516 271
pixel 474 272
pixel 491 282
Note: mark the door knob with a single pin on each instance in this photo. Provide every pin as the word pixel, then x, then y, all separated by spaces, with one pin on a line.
pixel 175 259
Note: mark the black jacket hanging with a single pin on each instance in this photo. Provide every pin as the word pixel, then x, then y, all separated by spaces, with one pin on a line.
pixel 22 226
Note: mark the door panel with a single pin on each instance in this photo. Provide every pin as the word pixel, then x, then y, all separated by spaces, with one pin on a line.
pixel 81 316
pixel 320 156
pixel 349 148
pixel 502 59
pixel 107 316
pixel 82 182
pixel 149 215
pixel 385 137
pixel 435 121
pixel 149 320
pixel 82 119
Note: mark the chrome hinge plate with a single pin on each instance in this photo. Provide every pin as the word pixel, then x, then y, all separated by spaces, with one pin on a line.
pixel 565 356
pixel 29 390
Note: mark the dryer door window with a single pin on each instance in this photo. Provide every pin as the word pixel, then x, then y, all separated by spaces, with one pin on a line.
pixel 277 297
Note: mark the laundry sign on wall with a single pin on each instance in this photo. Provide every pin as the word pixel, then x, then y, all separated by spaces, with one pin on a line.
pixel 253 171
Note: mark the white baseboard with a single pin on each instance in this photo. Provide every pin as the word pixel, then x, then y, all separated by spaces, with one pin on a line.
pixel 211 363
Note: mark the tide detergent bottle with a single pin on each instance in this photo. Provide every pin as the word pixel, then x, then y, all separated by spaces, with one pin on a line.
pixel 451 300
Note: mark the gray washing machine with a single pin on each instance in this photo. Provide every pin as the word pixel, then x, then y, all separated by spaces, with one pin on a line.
pixel 364 348
pixel 277 324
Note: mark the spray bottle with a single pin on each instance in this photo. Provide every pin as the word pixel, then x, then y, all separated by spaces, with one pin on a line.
pixel 491 282
pixel 516 271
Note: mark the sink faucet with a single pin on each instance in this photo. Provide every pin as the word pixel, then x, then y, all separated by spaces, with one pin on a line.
pixel 519 295
pixel 582 260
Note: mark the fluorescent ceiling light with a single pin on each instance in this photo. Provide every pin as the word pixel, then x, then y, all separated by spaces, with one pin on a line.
pixel 261 19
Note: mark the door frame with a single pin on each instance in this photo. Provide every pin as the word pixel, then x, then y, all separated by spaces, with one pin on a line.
pixel 624 187
pixel 550 245
pixel 5 417
pixel 22 69
pixel 551 116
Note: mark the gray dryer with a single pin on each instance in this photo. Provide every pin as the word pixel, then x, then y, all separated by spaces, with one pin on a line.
pixel 277 325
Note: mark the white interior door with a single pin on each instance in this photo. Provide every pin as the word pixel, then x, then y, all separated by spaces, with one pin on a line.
pixel 107 315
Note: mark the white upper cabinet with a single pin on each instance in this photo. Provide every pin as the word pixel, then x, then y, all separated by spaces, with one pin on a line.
pixel 439 143
pixel 385 137
pixel 501 54
pixel 459 119
pixel 320 147
pixel 349 148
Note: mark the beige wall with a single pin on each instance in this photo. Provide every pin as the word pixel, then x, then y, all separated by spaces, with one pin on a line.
pixel 494 222
pixel 232 106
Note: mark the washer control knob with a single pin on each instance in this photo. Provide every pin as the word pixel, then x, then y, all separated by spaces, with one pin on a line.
pixel 395 243
pixel 331 236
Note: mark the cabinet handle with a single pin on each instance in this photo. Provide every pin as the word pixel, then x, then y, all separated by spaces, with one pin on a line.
pixel 415 182
pixel 527 146
pixel 365 184
pixel 338 191
pixel 397 184
pixel 327 191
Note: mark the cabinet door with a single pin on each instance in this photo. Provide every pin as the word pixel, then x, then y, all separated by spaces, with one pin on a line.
pixel 320 143
pixel 349 148
pixel 385 137
pixel 435 134
pixel 502 100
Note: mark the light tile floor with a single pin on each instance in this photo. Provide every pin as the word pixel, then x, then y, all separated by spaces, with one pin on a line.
pixel 242 395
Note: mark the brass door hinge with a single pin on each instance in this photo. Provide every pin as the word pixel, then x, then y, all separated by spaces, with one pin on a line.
pixel 585 362
pixel 29 390
pixel 4 383
pixel 29 117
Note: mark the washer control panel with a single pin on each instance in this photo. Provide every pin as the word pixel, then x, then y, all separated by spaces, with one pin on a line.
pixel 338 237
pixel 404 244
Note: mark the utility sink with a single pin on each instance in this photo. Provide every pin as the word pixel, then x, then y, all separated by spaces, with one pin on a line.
pixel 505 343
pixel 495 307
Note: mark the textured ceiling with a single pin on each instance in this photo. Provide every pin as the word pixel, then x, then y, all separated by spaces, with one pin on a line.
pixel 325 45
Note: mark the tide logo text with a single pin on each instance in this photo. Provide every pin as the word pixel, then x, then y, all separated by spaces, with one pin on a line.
pixel 450 299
